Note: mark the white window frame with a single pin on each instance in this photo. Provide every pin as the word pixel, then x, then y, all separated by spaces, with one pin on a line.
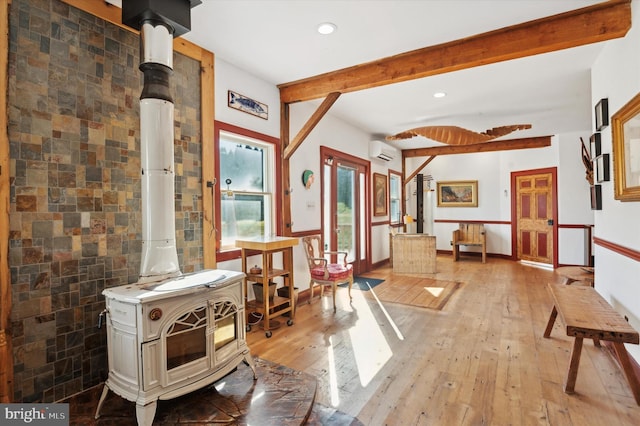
pixel 270 148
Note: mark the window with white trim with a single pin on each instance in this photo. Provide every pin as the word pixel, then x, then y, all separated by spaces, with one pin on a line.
pixel 395 198
pixel 246 179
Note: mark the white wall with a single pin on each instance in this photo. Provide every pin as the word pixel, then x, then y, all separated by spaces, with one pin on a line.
pixel 330 132
pixel 228 77
pixel 306 204
pixel 493 171
pixel 616 76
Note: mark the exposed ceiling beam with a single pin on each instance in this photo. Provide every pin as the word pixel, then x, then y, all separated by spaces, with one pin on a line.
pixel 310 124
pixel 600 22
pixel 525 143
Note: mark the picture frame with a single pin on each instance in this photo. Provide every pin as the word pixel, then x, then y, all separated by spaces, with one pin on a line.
pixel 462 193
pixel 596 197
pixel 595 145
pixel 245 104
pixel 380 194
pixel 601 168
pixel 602 114
pixel 625 135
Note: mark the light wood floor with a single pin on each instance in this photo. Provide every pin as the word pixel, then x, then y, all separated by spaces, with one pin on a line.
pixel 481 360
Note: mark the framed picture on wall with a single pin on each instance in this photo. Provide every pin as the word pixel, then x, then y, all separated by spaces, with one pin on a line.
pixel 625 132
pixel 601 168
pixel 596 197
pixel 379 194
pixel 462 193
pixel 596 145
pixel 602 114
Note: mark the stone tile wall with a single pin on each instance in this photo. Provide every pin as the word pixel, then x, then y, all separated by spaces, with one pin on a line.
pixel 75 214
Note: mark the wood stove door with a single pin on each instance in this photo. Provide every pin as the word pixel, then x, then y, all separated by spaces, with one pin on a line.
pixel 186 345
pixel 228 329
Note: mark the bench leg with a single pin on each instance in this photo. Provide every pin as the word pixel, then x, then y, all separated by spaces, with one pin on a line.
pixel 456 252
pixel 552 320
pixel 573 365
pixel 623 357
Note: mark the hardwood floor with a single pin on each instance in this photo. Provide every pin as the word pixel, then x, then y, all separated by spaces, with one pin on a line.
pixel 480 360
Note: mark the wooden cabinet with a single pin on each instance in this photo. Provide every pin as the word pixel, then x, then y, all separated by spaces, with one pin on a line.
pixel 414 254
pixel 266 247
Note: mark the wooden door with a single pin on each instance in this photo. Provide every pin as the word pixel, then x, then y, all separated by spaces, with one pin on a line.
pixel 535 215
pixel 344 207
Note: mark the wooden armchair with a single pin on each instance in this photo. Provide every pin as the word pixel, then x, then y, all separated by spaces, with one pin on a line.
pixel 322 271
pixel 469 234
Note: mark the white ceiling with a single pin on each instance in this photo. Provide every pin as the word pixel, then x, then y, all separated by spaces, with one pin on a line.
pixel 277 41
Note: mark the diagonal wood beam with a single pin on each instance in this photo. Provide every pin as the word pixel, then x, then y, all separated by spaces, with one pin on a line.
pixel 525 143
pixel 418 169
pixel 310 124
pixel 600 22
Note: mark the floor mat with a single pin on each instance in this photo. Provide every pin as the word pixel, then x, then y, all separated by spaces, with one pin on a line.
pixel 421 292
pixel 363 283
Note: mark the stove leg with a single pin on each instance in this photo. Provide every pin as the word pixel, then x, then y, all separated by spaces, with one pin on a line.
pixel 248 359
pixel 105 392
pixel 146 413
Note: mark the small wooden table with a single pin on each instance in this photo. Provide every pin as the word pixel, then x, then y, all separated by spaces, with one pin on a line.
pixel 572 274
pixel 267 247
pixel 587 315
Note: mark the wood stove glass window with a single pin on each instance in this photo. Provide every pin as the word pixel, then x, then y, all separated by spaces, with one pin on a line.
pixel 186 338
pixel 225 315
pixel 246 188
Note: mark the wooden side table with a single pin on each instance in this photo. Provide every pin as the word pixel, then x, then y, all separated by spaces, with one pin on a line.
pixel 267 247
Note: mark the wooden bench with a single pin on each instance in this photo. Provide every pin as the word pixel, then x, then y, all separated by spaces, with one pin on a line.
pixel 469 234
pixel 587 315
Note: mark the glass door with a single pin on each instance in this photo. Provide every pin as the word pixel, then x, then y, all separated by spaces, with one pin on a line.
pixel 345 210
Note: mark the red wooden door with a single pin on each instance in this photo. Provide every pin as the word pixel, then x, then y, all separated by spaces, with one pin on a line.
pixel 535 214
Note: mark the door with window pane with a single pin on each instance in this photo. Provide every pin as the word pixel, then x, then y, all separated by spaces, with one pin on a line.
pixel 344 214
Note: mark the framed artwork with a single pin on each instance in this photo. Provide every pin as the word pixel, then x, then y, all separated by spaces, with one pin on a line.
pixel 379 194
pixel 596 197
pixel 601 168
pixel 596 145
pixel 602 114
pixel 625 133
pixel 458 193
pixel 248 105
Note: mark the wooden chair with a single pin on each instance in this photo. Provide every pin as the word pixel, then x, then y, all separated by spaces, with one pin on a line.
pixel 322 271
pixel 469 234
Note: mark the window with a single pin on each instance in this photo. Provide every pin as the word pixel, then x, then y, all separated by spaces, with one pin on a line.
pixel 395 198
pixel 246 185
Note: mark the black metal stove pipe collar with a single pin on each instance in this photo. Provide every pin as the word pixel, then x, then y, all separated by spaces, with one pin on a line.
pixel 156 82
pixel 156 59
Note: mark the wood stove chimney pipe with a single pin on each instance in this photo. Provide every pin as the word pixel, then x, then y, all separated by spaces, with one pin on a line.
pixel 158 21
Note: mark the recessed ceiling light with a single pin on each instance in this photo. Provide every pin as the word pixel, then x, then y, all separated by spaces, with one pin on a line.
pixel 439 95
pixel 326 28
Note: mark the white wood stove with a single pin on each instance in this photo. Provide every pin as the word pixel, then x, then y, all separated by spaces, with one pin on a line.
pixel 168 334
pixel 169 338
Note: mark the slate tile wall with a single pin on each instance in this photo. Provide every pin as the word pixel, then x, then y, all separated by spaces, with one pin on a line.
pixel 75 220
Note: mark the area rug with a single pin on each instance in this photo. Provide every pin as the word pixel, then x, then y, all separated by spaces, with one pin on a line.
pixel 421 292
pixel 363 283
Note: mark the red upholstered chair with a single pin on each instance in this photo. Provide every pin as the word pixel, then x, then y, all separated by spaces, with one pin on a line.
pixel 322 271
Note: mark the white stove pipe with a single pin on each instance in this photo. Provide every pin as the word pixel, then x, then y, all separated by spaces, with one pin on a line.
pixel 159 254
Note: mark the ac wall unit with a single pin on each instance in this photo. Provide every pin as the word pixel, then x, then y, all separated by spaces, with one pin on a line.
pixel 382 151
